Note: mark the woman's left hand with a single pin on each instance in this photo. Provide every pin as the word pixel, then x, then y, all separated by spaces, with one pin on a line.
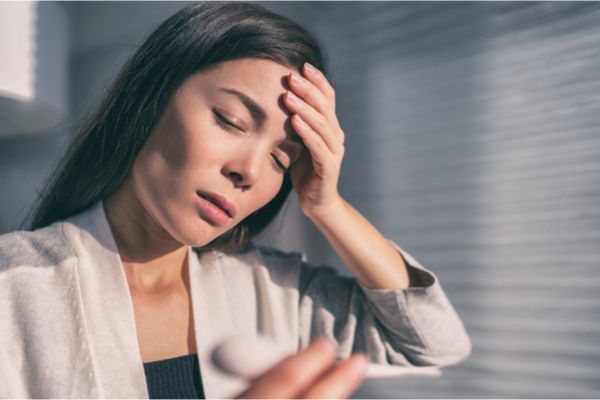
pixel 316 173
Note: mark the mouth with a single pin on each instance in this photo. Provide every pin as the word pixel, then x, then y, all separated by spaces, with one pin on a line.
pixel 219 201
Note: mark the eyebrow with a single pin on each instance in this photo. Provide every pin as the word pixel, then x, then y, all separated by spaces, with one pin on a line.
pixel 256 111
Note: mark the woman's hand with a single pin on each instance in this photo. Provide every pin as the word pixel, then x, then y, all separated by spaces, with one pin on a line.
pixel 312 373
pixel 316 173
pixel 363 249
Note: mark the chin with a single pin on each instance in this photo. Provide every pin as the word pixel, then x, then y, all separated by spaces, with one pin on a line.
pixel 200 239
pixel 201 235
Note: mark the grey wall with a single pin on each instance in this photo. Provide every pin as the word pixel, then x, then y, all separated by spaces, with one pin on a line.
pixel 27 159
pixel 25 162
pixel 472 142
pixel 484 163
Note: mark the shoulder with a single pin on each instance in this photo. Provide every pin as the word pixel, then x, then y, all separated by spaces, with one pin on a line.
pixel 306 273
pixel 282 267
pixel 252 255
pixel 272 254
pixel 40 248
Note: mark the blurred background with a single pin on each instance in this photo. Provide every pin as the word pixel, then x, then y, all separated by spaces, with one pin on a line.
pixel 473 142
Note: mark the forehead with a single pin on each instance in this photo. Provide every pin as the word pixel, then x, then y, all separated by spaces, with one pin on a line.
pixel 265 74
pixel 263 81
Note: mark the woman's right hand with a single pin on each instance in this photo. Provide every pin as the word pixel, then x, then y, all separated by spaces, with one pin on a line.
pixel 312 373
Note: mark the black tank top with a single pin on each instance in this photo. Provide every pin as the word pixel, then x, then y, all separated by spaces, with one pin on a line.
pixel 174 378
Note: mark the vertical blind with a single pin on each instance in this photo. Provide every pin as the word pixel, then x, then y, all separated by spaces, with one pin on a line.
pixel 473 141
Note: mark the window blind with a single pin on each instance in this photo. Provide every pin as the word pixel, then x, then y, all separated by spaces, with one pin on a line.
pixel 473 142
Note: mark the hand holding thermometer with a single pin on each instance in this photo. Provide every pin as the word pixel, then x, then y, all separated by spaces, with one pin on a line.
pixel 250 357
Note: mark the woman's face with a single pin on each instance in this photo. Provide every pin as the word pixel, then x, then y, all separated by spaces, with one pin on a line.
pixel 195 159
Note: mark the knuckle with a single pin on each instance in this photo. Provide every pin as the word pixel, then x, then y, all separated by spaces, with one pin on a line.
pixel 321 123
pixel 322 104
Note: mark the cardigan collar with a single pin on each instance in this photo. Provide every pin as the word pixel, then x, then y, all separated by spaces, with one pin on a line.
pixel 109 314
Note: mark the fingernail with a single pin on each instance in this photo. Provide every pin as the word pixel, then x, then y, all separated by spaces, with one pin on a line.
pixel 310 69
pixel 292 97
pixel 297 80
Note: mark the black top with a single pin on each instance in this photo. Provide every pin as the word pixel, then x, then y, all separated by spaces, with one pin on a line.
pixel 174 378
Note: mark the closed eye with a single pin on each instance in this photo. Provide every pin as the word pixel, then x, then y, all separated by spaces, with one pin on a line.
pixel 280 165
pixel 227 125
pixel 224 122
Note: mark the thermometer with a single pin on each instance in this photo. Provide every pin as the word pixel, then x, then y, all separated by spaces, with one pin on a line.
pixel 250 357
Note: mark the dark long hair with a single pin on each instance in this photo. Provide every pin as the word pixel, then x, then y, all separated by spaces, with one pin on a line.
pixel 198 36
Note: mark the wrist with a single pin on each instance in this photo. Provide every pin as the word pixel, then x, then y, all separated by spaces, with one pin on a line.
pixel 331 211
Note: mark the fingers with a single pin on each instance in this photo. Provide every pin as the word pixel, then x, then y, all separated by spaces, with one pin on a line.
pixel 314 143
pixel 295 374
pixel 313 98
pixel 313 95
pixel 320 81
pixel 342 381
pixel 315 120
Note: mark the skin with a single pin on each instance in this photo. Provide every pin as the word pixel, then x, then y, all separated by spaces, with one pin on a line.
pixel 310 374
pixel 154 216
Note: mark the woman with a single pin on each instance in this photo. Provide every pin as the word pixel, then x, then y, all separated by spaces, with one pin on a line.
pixel 141 259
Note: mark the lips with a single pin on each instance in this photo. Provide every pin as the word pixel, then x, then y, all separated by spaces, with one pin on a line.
pixel 220 202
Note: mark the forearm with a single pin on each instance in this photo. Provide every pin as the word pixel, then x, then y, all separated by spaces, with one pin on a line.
pixel 371 258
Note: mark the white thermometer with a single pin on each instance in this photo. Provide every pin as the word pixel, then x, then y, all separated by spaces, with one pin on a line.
pixel 250 357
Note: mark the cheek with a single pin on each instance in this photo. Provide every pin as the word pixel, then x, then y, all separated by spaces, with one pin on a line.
pixel 164 151
pixel 176 149
pixel 177 154
pixel 161 165
pixel 148 178
pixel 265 192
pixel 161 171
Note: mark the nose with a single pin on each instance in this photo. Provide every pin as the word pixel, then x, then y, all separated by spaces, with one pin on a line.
pixel 243 169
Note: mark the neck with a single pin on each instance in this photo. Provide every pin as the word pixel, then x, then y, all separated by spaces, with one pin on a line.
pixel 153 261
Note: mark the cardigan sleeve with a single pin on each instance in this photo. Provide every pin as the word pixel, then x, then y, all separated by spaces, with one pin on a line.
pixel 416 326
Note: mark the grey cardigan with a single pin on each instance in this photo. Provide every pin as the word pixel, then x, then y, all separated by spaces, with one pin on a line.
pixel 67 326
